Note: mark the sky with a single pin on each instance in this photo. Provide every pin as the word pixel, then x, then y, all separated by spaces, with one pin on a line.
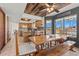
pixel 67 23
pixel 49 24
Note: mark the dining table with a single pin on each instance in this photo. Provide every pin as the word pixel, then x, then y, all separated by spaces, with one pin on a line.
pixel 40 42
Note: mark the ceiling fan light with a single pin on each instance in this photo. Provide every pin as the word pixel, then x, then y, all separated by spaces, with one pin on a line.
pixel 48 9
pixel 51 9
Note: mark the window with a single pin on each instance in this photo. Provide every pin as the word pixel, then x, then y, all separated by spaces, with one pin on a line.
pixel 66 25
pixel 58 26
pixel 48 26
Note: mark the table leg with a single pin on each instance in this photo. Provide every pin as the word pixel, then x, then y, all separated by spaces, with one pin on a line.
pixel 50 43
pixel 42 45
pixel 37 47
pixel 47 45
pixel 55 42
pixel 71 48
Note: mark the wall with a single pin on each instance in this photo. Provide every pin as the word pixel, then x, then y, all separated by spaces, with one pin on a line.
pixel 14 21
pixel 13 25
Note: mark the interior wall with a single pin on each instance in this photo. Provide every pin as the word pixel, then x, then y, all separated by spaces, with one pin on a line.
pixel 13 26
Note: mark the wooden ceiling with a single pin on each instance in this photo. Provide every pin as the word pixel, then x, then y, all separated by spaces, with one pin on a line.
pixel 39 9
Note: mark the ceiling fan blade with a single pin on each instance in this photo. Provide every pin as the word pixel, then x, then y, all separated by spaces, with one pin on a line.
pixel 56 10
pixel 43 10
pixel 47 5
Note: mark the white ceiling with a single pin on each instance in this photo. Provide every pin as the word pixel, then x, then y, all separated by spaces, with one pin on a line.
pixel 16 10
pixel 13 8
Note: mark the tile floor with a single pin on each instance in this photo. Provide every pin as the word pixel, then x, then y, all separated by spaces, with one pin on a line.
pixel 9 49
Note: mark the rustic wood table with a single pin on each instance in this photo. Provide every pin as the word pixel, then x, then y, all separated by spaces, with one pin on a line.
pixel 39 42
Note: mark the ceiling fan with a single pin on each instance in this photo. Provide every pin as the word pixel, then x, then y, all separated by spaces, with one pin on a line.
pixel 51 7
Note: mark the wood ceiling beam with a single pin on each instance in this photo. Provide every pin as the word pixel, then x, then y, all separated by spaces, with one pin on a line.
pixel 35 12
pixel 26 8
pixel 36 4
pixel 29 7
pixel 40 9
pixel 43 13
pixel 37 7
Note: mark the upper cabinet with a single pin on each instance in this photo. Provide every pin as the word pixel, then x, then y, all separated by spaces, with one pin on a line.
pixel 38 23
pixel 25 25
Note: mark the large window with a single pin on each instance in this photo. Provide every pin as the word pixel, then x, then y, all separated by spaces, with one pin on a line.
pixel 58 26
pixel 70 26
pixel 66 25
pixel 48 26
